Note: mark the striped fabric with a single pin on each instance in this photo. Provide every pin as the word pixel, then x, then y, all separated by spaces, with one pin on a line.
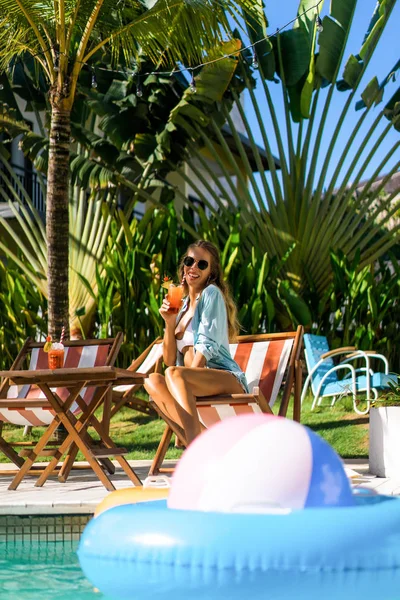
pixel 75 357
pixel 147 365
pixel 264 364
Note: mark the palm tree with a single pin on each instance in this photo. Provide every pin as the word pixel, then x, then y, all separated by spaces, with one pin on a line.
pixel 62 37
pixel 303 209
pixel 112 137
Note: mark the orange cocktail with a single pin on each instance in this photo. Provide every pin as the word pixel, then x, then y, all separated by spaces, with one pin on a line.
pixel 175 295
pixel 56 356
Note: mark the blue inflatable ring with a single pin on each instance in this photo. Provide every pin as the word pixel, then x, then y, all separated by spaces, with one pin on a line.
pixel 131 550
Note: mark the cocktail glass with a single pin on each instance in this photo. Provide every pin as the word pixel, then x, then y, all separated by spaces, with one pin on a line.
pixel 175 295
pixel 56 356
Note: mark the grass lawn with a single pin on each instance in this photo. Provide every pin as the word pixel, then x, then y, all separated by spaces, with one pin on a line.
pixel 345 430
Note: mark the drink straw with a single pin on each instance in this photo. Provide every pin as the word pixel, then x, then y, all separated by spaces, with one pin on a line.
pixel 62 334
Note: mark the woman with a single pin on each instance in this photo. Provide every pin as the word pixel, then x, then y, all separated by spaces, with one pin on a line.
pixel 196 338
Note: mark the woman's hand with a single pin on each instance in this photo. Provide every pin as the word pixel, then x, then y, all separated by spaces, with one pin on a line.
pixel 168 315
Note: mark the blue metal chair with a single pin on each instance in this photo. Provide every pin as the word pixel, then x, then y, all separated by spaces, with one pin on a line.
pixel 323 373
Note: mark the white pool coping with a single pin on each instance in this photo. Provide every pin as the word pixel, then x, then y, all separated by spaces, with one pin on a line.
pixel 83 491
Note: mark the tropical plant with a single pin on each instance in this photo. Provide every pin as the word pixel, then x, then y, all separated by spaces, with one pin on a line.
pixel 22 310
pixel 265 300
pixel 130 293
pixel 361 306
pixel 391 397
pixel 89 223
pixel 61 38
pixel 302 205
pixel 107 160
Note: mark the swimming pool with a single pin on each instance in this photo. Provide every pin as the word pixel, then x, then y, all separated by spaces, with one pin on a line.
pixel 43 571
pixel 38 559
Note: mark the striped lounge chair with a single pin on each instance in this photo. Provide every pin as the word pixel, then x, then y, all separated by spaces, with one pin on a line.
pixel 269 360
pixel 125 395
pixel 28 406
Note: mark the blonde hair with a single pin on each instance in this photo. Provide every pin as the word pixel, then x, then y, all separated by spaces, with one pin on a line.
pixel 217 278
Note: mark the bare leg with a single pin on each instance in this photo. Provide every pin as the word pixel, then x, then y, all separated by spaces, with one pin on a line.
pixel 187 383
pixel 156 387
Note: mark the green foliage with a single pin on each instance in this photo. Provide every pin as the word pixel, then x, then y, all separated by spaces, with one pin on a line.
pixel 389 398
pixel 361 306
pixel 114 132
pixel 89 225
pixel 130 293
pixel 22 312
pixel 302 210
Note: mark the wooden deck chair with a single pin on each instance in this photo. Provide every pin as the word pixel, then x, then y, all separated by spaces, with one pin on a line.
pixel 268 360
pixel 27 405
pixel 125 395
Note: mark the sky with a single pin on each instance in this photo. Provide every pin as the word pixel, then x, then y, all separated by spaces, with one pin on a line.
pixel 280 12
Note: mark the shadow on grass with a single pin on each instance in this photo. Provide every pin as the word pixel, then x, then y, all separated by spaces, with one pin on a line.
pixel 140 418
pixel 149 448
pixel 337 424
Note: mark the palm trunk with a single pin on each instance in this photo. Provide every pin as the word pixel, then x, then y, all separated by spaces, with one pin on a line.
pixel 57 222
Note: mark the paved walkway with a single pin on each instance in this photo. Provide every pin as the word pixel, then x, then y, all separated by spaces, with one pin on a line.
pixel 358 471
pixel 83 491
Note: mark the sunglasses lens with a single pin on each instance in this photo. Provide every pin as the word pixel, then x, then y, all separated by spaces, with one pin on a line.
pixel 189 262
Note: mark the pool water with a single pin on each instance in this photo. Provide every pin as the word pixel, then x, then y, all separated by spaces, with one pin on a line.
pixel 43 571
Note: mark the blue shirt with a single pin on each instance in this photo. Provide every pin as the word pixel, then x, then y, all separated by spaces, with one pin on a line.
pixel 210 333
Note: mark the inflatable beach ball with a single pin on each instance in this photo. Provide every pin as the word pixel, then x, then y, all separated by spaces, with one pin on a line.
pixel 259 464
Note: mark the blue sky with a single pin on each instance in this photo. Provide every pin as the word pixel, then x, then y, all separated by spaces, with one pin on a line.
pixel 387 54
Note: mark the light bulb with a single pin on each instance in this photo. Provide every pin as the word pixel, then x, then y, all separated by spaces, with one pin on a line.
pixel 254 62
pixel 94 82
pixel 319 25
pixel 192 85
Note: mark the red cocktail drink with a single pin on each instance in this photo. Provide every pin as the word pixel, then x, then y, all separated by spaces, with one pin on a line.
pixel 175 295
pixel 56 358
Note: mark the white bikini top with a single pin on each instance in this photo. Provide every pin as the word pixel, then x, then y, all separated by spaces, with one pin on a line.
pixel 187 339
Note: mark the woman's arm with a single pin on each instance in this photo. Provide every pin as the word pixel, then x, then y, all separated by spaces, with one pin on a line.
pixel 169 344
pixel 199 360
pixel 169 348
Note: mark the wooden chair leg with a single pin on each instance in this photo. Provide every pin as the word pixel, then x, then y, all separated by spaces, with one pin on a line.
pixel 34 454
pixel 109 446
pixel 161 451
pixel 74 437
pixel 298 381
pixel 70 458
pixel 107 411
pixel 10 452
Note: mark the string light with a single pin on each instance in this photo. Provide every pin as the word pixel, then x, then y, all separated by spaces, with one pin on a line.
pixel 234 54
pixel 318 22
pixel 56 66
pixel 254 62
pixel 94 80
pixel 192 85
pixel 139 89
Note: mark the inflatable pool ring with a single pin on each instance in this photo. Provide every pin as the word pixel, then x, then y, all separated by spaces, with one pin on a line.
pixel 294 530
pixel 131 496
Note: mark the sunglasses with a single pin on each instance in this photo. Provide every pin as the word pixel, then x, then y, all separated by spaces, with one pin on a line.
pixel 189 261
